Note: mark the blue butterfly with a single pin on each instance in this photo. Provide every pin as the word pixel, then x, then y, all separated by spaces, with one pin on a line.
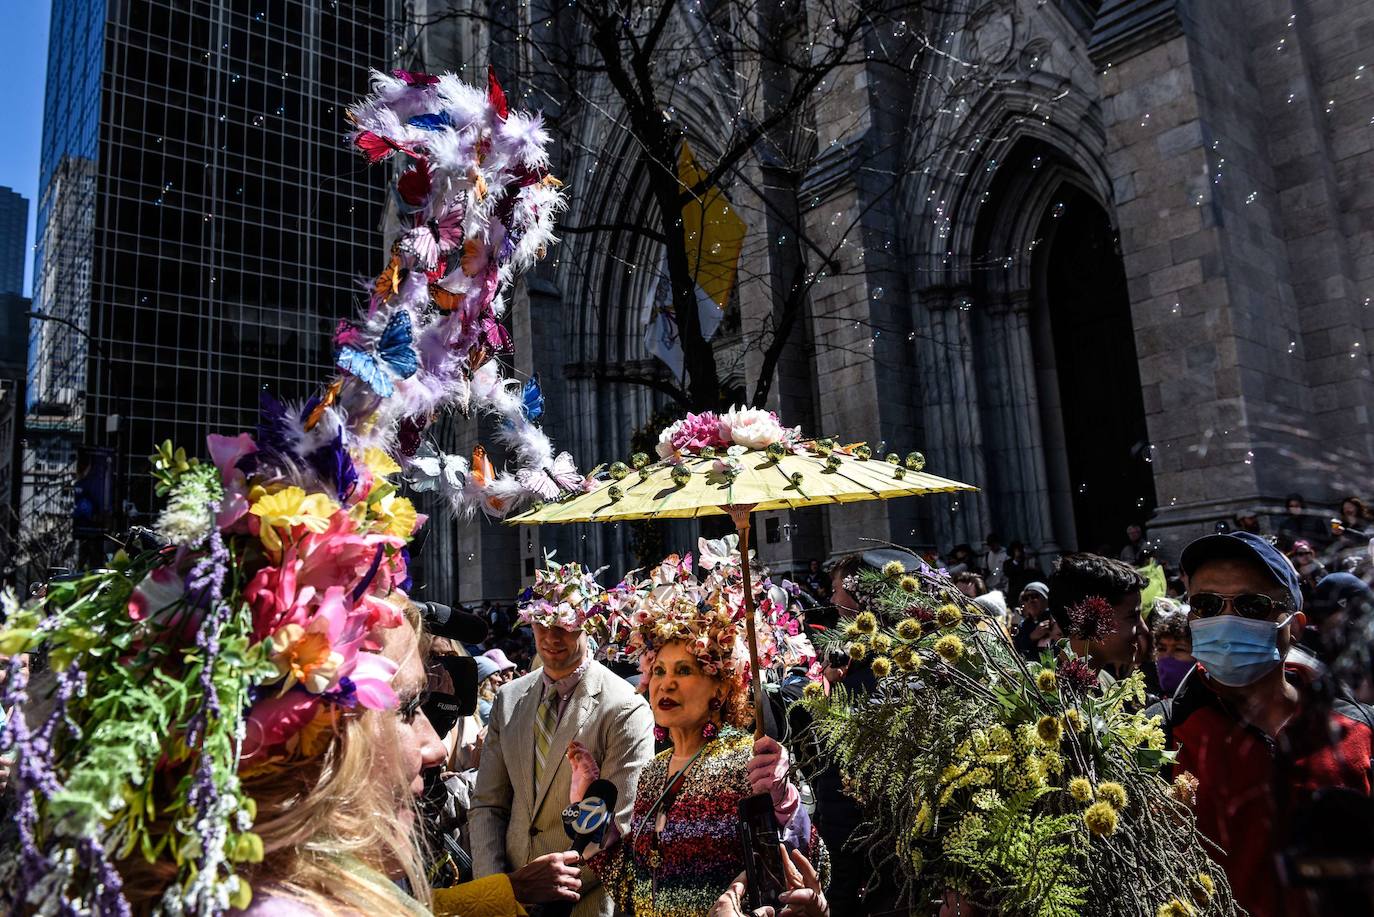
pixel 435 121
pixel 532 399
pixel 394 357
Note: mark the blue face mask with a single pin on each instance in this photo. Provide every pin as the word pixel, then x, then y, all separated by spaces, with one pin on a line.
pixel 1236 651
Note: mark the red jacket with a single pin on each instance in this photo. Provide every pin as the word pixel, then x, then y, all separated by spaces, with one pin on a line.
pixel 1250 785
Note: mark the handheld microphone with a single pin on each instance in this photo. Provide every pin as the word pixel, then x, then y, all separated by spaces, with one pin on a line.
pixel 586 823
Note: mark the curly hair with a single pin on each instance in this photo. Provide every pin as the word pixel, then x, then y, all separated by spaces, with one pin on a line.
pixel 1078 576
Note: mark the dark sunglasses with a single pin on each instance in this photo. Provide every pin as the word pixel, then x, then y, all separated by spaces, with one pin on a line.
pixel 1253 605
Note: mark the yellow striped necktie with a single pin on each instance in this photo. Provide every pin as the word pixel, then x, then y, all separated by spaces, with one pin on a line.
pixel 544 725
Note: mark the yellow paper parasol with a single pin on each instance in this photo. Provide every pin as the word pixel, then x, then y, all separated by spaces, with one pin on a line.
pixel 713 482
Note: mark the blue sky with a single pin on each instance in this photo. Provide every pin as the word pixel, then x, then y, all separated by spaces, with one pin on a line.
pixel 23 63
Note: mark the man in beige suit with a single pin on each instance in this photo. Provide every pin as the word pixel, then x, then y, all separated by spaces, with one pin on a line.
pixel 524 778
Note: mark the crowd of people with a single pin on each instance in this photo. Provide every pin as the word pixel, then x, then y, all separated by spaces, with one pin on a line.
pixel 1246 656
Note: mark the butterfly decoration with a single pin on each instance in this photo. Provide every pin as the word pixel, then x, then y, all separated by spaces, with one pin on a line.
pixel 532 399
pixel 413 185
pixel 444 300
pixel 331 394
pixel 483 475
pixel 434 238
pixel 712 552
pixel 409 433
pixel 394 356
pixel 432 471
pixel 495 336
pixel 388 283
pixel 496 95
pixel 377 148
pixel 482 472
pixel 431 121
pixel 414 78
pixel 557 477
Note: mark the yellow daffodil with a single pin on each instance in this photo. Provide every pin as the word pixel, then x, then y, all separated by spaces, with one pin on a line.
pixel 397 515
pixel 379 463
pixel 288 508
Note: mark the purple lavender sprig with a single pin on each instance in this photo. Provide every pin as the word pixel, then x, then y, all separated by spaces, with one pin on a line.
pixel 206 587
pixel 209 807
pixel 107 897
pixel 35 775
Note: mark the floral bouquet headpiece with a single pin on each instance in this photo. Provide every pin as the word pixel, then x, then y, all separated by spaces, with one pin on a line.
pixel 183 673
pixel 669 602
pixel 564 595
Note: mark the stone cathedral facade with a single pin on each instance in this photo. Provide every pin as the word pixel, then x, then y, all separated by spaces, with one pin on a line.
pixel 1131 283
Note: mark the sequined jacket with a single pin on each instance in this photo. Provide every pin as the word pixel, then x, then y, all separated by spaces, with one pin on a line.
pixel 682 870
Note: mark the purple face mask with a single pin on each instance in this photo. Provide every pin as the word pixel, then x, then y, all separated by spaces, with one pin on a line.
pixel 1171 672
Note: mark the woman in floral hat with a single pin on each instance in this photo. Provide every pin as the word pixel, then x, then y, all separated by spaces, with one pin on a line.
pixel 683 848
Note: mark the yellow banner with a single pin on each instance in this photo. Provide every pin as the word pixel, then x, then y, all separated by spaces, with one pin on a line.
pixel 714 234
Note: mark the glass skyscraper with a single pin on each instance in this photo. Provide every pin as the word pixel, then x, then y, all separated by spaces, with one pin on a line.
pixel 14 231
pixel 201 227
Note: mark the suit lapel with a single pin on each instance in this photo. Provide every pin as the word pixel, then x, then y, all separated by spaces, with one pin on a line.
pixel 521 763
pixel 580 706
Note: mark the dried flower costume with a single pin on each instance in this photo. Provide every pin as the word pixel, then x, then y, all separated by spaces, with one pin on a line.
pixel 683 848
pixel 1030 788
pixel 231 655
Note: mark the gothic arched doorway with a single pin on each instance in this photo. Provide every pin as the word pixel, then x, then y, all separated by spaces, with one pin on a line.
pixel 1083 313
pixel 1061 409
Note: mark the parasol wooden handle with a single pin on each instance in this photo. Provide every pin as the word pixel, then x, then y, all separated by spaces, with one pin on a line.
pixel 740 515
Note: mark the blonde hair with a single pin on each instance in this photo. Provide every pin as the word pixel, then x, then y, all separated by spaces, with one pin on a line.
pixel 344 805
pixel 321 816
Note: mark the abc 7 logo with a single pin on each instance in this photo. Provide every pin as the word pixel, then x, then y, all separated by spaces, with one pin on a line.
pixel 589 815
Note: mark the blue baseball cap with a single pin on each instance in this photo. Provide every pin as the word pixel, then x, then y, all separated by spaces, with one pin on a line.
pixel 1246 546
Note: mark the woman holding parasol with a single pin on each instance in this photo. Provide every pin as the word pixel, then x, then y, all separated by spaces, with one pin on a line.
pixel 683 847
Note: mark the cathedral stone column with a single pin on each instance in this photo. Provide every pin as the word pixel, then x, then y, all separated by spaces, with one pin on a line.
pixel 1025 481
pixel 954 431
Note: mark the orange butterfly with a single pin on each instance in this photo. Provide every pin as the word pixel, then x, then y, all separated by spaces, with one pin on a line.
pixel 331 395
pixel 390 280
pixel 445 300
pixel 483 473
pixel 476 357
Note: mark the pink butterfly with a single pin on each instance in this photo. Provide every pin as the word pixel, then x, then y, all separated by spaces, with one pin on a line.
pixel 412 78
pixel 435 238
pixel 548 482
pixel 495 336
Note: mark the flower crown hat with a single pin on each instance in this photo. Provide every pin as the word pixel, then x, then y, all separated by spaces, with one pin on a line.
pixel 184 673
pixel 669 603
pixel 566 596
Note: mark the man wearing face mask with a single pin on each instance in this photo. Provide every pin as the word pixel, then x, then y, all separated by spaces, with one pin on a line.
pixel 1255 722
